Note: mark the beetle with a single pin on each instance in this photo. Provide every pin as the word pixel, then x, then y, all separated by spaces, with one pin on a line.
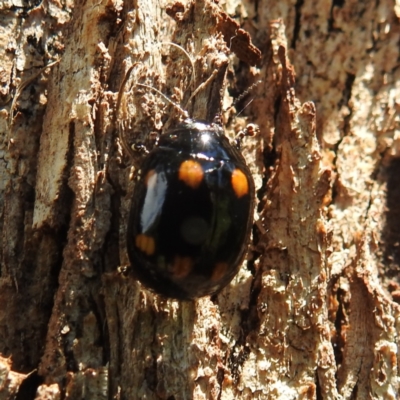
pixel 192 212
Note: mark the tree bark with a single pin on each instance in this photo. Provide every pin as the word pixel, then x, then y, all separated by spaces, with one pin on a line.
pixel 313 312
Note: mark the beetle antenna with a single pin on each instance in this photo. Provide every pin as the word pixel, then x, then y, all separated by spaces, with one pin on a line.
pixel 122 138
pixel 242 96
pixel 177 46
pixel 22 86
pixel 119 100
pixel 202 86
pixel 244 107
pixel 168 100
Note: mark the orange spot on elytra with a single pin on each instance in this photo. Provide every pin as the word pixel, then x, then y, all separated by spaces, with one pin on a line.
pixel 219 271
pixel 191 173
pixel 145 243
pixel 181 267
pixel 240 183
pixel 148 176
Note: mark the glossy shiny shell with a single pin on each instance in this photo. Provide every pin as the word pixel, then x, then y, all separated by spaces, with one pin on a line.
pixel 191 214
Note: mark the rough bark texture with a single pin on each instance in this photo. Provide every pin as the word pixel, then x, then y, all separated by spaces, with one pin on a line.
pixel 313 313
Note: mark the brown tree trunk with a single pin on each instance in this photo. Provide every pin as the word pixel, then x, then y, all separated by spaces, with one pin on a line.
pixel 313 312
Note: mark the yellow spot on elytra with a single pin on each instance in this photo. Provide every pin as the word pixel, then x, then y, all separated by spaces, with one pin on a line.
pixel 240 183
pixel 191 173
